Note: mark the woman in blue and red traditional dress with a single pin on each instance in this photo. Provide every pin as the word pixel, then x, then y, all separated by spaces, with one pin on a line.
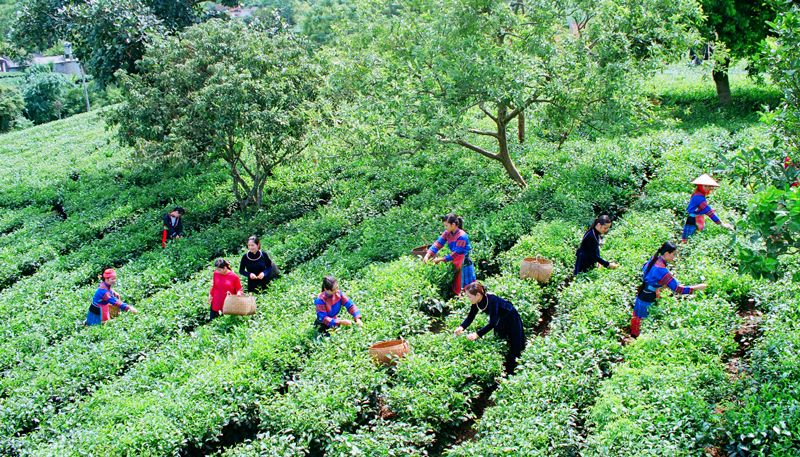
pixel 655 277
pixel 457 240
pixel 105 297
pixel 588 253
pixel 698 208
pixel 503 318
pixel 329 303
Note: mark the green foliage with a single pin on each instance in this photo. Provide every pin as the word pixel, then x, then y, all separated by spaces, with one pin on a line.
pixel 775 218
pixel 782 59
pixel 511 61
pixel 42 94
pixel 11 106
pixel 734 29
pixel 167 382
pixel 321 19
pixel 286 9
pixel 739 27
pixel 8 13
pixel 106 35
pixel 774 215
pixel 766 420
pixel 242 94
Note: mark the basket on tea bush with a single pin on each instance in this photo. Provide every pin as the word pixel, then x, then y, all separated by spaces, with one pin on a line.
pixel 420 251
pixel 388 352
pixel 537 268
pixel 239 305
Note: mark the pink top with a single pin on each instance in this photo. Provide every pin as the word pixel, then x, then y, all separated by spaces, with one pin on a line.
pixel 222 285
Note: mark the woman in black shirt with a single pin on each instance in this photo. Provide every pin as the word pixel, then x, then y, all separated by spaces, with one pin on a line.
pixel 256 266
pixel 588 254
pixel 503 318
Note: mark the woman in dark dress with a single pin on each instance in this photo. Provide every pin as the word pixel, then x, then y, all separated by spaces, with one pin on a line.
pixel 588 254
pixel 503 318
pixel 256 266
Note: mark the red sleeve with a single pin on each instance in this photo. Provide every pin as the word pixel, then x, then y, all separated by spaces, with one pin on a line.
pixel 213 286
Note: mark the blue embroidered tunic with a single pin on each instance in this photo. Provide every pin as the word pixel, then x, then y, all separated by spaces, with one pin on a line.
pixel 458 243
pixel 698 208
pixel 656 279
pixel 328 306
pixel 102 299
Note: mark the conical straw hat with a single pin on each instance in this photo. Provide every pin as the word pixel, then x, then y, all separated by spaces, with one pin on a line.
pixel 705 180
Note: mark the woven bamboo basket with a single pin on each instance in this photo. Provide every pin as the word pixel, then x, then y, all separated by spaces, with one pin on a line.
pixel 388 352
pixel 537 268
pixel 113 311
pixel 420 251
pixel 239 305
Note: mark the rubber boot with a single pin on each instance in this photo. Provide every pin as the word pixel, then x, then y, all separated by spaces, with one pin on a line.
pixel 635 323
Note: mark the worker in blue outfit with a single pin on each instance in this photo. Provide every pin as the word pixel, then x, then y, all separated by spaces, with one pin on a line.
pixel 655 277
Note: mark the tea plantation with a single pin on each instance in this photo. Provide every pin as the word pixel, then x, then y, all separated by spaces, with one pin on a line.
pixel 713 373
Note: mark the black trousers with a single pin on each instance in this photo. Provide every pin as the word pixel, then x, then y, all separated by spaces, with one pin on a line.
pixel 321 327
pixel 510 329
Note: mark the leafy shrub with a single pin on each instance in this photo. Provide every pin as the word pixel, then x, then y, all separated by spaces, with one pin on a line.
pixel 11 106
pixel 43 93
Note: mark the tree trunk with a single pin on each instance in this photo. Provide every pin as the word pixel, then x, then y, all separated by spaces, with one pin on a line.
pixel 521 126
pixel 503 155
pixel 723 86
pixel 511 169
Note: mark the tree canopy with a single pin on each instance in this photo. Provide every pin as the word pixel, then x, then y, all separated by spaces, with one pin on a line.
pixel 231 90
pixel 465 71
pixel 106 34
pixel 736 29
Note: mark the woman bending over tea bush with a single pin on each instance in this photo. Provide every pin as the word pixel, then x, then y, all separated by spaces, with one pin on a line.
pixel 225 282
pixel 328 304
pixel 503 318
pixel 457 240
pixel 104 297
pixel 588 254
pixel 656 277
pixel 698 208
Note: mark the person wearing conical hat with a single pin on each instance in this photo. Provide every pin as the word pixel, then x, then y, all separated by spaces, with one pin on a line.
pixel 698 207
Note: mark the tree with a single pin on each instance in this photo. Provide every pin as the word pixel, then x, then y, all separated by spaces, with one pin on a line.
pixel 231 90
pixel 11 106
pixel 320 18
pixel 774 213
pixel 42 93
pixel 781 57
pixel 433 65
pixel 284 8
pixel 735 28
pixel 106 34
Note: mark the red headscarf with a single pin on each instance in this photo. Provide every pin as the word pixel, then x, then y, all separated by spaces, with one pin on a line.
pixel 702 190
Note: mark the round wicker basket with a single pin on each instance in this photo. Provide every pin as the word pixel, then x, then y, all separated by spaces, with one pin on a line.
pixel 388 352
pixel 113 311
pixel 420 251
pixel 239 305
pixel 537 268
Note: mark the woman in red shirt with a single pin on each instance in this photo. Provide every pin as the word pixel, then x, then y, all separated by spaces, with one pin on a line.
pixel 225 282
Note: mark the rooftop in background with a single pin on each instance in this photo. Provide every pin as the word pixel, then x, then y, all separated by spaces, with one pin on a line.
pixel 60 64
pixel 236 12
